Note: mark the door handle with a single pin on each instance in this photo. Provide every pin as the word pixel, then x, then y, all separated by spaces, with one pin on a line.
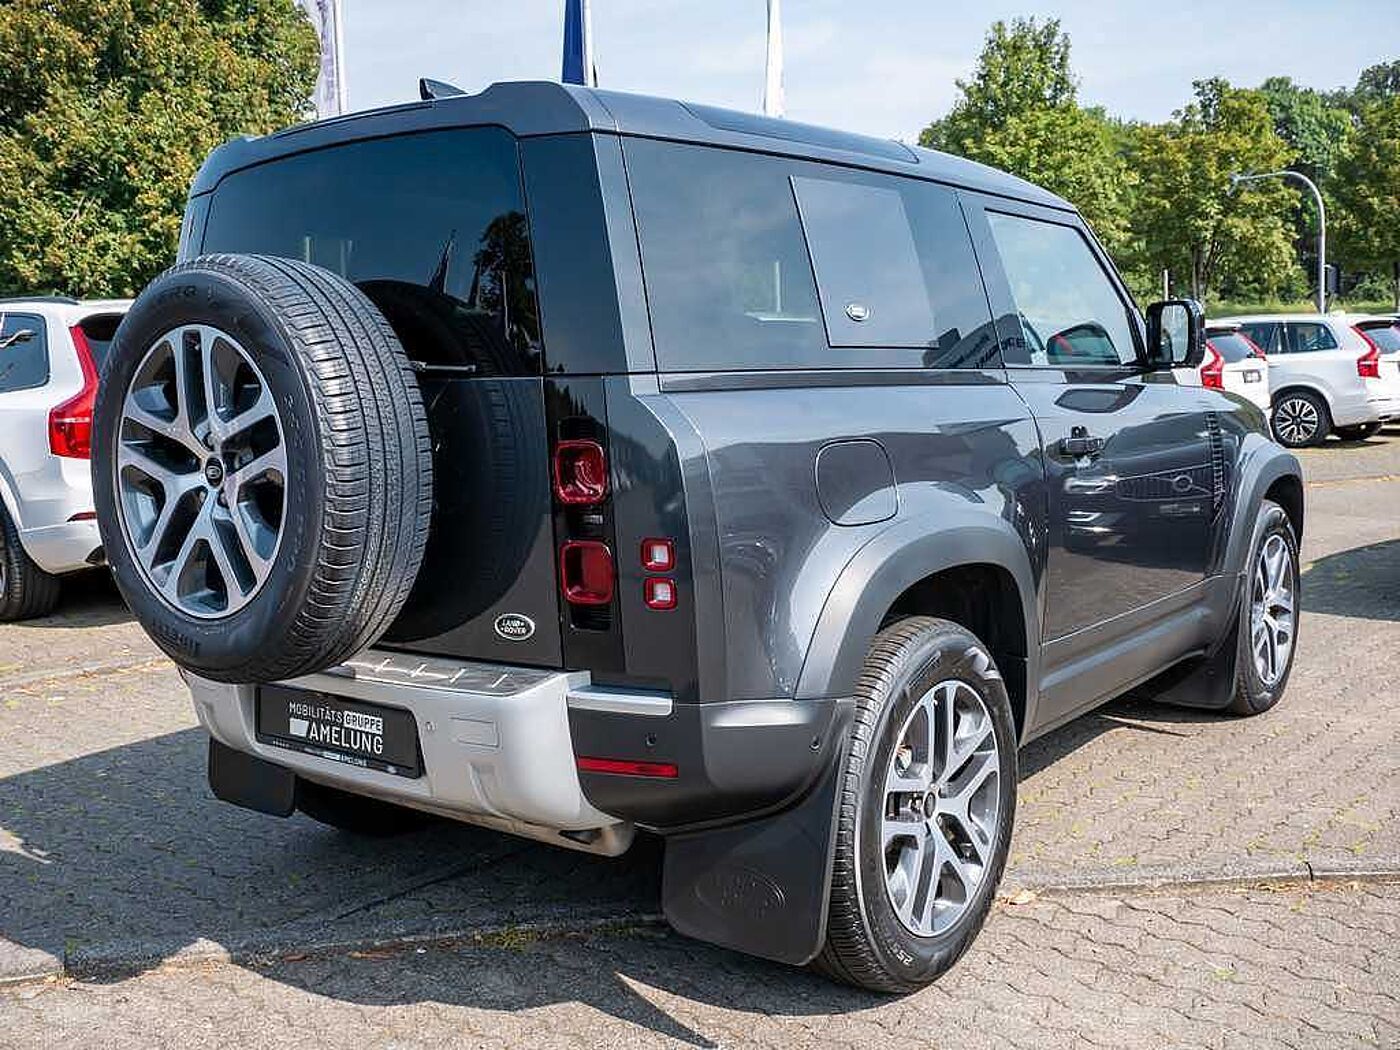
pixel 1080 443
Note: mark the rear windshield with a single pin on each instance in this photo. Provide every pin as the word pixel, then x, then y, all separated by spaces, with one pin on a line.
pixel 1385 336
pixel 1232 346
pixel 430 226
pixel 99 330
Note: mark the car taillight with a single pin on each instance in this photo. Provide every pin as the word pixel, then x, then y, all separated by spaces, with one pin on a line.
pixel 1368 365
pixel 580 472
pixel 70 424
pixel 1213 371
pixel 586 572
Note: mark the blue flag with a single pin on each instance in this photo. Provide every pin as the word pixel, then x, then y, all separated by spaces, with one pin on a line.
pixel 578 45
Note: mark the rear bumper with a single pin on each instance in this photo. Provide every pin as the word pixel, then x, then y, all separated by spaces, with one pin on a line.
pixel 68 547
pixel 495 742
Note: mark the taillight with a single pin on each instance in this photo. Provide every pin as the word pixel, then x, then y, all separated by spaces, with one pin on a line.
pixel 658 555
pixel 580 472
pixel 70 424
pixel 586 572
pixel 659 592
pixel 1213 371
pixel 1368 365
pixel 627 768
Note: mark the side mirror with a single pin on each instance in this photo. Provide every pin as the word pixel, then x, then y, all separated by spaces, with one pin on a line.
pixel 1176 334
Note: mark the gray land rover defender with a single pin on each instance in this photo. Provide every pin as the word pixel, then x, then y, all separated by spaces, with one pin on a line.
pixel 573 463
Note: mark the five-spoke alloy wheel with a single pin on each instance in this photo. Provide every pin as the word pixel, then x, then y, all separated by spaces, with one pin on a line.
pixel 201 471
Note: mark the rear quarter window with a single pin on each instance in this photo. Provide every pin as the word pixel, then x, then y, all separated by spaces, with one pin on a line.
pixel 758 262
pixel 24 352
pixel 431 226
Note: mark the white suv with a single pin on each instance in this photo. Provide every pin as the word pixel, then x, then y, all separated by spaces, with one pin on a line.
pixel 51 352
pixel 1324 376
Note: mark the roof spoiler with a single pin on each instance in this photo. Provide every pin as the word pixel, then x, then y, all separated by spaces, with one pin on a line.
pixel 429 89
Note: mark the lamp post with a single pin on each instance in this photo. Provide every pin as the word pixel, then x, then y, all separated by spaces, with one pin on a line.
pixel 1236 179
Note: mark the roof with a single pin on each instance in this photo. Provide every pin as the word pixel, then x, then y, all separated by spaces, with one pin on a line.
pixel 63 306
pixel 529 108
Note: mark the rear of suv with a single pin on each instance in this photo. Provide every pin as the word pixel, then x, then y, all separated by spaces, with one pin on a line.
pixel 575 463
pixel 51 349
pixel 1326 376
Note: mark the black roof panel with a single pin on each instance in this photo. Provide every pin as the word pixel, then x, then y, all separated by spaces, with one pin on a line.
pixel 547 108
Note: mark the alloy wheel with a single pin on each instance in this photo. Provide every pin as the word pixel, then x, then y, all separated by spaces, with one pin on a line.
pixel 201 472
pixel 1271 613
pixel 1297 421
pixel 942 802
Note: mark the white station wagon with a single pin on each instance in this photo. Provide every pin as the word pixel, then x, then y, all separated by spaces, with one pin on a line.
pixel 1325 376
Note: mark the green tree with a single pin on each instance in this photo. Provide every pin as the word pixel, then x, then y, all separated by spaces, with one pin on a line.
pixel 1310 123
pixel 1187 218
pixel 107 108
pixel 1020 112
pixel 1367 189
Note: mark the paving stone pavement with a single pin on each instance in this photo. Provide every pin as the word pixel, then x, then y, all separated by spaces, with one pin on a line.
pixel 114 857
pixel 1313 966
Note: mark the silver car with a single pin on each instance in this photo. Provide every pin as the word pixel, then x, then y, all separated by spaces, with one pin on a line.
pixel 51 352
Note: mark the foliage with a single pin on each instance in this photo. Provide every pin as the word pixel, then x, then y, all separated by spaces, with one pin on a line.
pixel 1019 112
pixel 1367 191
pixel 107 108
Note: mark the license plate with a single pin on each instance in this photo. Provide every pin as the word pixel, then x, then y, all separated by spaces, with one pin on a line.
pixel 343 730
pixel 1252 377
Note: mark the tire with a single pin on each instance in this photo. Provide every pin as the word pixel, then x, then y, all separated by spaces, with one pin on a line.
pixel 1255 691
pixel 350 522
pixel 1301 419
pixel 868 943
pixel 356 814
pixel 26 591
pixel 1360 432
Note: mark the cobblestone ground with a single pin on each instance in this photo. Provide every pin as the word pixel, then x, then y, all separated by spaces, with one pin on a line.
pixel 1313 966
pixel 115 858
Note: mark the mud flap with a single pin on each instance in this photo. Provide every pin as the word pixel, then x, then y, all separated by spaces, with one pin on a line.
pixel 762 887
pixel 251 782
pixel 1208 682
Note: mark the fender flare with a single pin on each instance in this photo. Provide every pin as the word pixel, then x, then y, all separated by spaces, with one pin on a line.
pixel 1260 468
pixel 954 535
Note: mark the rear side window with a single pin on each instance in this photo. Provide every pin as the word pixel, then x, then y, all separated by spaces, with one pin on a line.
pixel 1232 346
pixel 756 262
pixel 24 352
pixel 1070 312
pixel 99 331
pixel 1305 337
pixel 1264 334
pixel 430 226
pixel 1385 336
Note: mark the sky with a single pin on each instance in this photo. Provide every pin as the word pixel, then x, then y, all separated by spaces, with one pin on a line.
pixel 883 67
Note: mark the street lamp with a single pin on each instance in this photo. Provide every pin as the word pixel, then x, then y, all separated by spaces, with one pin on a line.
pixel 1236 179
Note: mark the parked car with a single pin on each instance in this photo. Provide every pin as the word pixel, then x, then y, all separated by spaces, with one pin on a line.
pixel 1324 377
pixel 571 462
pixel 50 352
pixel 1383 333
pixel 1233 363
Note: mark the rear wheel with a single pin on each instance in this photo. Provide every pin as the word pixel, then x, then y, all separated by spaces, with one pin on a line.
pixel 1359 432
pixel 1301 419
pixel 924 823
pixel 26 591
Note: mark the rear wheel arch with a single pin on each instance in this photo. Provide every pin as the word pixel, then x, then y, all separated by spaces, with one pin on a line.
pixel 925 567
pixel 1287 492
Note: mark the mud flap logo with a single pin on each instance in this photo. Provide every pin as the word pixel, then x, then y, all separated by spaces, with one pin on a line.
pixel 514 627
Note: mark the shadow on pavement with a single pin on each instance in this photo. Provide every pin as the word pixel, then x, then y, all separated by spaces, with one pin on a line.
pixel 1363 582
pixel 89 599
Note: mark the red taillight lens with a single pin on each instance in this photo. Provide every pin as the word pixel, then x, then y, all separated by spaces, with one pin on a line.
pixel 1368 365
pixel 580 472
pixel 70 424
pixel 1213 371
pixel 658 555
pixel 586 572
pixel 627 768
pixel 659 593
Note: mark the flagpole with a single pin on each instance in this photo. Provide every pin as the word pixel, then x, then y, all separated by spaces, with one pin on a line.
pixel 773 101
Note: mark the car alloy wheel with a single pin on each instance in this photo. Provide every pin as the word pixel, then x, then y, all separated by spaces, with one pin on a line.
pixel 201 472
pixel 1271 629
pixel 1296 421
pixel 941 807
